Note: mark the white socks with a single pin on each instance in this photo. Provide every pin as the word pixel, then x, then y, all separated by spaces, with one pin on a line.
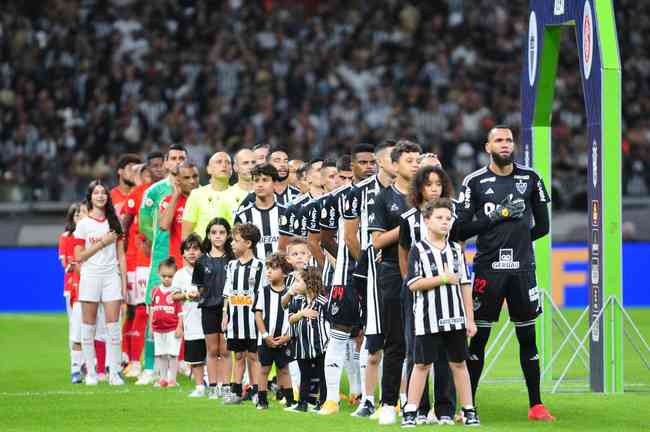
pixel 113 349
pixel 353 367
pixel 88 347
pixel 162 365
pixel 334 358
pixel 294 372
pixel 363 367
pixel 76 359
pixel 173 368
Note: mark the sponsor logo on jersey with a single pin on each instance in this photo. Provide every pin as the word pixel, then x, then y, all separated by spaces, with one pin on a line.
pixel 371 218
pixel 269 239
pixel 241 299
pixel 451 321
pixel 394 207
pixel 533 294
pixel 488 180
pixel 506 261
pixel 296 224
pixel 283 220
pixel 490 191
pixel 521 186
pixel 355 203
pixel 468 197
pixel 558 7
pixel 323 213
pixel 521 177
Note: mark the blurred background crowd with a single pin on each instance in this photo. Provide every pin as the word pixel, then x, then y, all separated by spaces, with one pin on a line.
pixel 82 81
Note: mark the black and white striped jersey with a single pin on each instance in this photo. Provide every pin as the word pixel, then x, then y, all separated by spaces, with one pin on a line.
pixel 272 222
pixel 313 212
pixel 331 218
pixel 361 204
pixel 366 270
pixel 243 281
pixel 309 336
pixel 282 198
pixel 439 309
pixel 276 319
pixel 298 214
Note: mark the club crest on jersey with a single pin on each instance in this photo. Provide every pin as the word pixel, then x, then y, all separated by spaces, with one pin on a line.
pixel 323 213
pixel 334 310
pixel 130 203
pixel 394 208
pixel 283 220
pixel 521 186
pixel 148 202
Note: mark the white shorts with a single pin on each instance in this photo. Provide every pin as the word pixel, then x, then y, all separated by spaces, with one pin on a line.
pixel 74 322
pixel 100 288
pixel 136 293
pixel 166 344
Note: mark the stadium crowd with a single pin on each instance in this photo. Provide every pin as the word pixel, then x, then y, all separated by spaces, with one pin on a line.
pixel 84 81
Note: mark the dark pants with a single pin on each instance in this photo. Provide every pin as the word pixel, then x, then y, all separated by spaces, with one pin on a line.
pixel 393 325
pixel 444 391
pixel 312 370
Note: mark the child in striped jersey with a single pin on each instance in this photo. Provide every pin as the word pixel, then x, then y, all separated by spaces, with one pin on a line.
pixel 444 316
pixel 309 333
pixel 244 278
pixel 273 330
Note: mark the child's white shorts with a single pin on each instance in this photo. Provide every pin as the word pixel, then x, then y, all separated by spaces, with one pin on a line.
pixel 166 344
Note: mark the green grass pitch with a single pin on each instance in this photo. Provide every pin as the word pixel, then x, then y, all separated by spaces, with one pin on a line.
pixel 35 394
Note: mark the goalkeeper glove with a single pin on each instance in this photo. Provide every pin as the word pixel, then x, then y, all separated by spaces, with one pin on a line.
pixel 509 208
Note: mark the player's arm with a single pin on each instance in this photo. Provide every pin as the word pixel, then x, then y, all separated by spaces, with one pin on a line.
pixel 190 215
pixel 121 260
pixel 540 199
pixel 381 238
pixel 314 241
pixel 350 228
pixel 167 210
pixel 404 246
pixel 465 227
pixel 284 229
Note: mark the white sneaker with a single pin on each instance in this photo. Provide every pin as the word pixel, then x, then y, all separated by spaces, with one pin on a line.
pixel 134 370
pixel 146 377
pixel 431 417
pixel 115 380
pixel 446 420
pixel 91 380
pixel 387 415
pixel 214 393
pixel 198 393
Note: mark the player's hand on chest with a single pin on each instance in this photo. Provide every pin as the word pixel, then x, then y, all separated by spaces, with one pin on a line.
pixel 494 190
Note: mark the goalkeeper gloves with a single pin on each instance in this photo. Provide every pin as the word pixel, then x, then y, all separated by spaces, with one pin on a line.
pixel 508 209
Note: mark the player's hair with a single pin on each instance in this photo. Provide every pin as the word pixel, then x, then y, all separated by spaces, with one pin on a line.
pixel 344 163
pixel 429 207
pixel 113 221
pixel 154 155
pixel 295 241
pixel 70 225
pixel 386 144
pixel 495 127
pixel 362 148
pixel 175 147
pixel 314 161
pixel 261 145
pixel 301 172
pixel 125 159
pixel 185 164
pixel 265 169
pixel 328 163
pixel 248 232
pixel 404 146
pixel 421 178
pixel 192 240
pixel 313 280
pixel 169 262
pixel 278 260
pixel 276 149
pixel 227 246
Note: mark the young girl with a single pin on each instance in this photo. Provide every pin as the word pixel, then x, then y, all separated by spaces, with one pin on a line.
pixel 309 332
pixel 99 247
pixel 209 276
pixel 71 291
pixel 165 325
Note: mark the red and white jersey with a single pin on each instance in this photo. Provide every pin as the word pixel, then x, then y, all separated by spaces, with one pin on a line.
pixel 164 310
pixel 176 228
pixel 70 275
pixel 135 256
pixel 118 198
pixel 90 231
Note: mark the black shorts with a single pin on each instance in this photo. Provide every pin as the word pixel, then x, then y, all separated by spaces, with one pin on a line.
pixel 374 343
pixel 281 356
pixel 343 306
pixel 211 318
pixel 195 352
pixel 428 348
pixel 518 289
pixel 242 345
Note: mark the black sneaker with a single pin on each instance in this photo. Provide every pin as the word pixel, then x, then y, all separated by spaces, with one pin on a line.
pixel 365 409
pixel 409 419
pixel 299 407
pixel 470 418
pixel 262 406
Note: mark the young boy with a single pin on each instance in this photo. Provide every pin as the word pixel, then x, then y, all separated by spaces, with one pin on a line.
pixel 244 278
pixel 191 325
pixel 165 325
pixel 272 329
pixel 444 316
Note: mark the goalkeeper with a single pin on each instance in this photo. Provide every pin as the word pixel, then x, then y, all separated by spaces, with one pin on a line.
pixel 505 204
